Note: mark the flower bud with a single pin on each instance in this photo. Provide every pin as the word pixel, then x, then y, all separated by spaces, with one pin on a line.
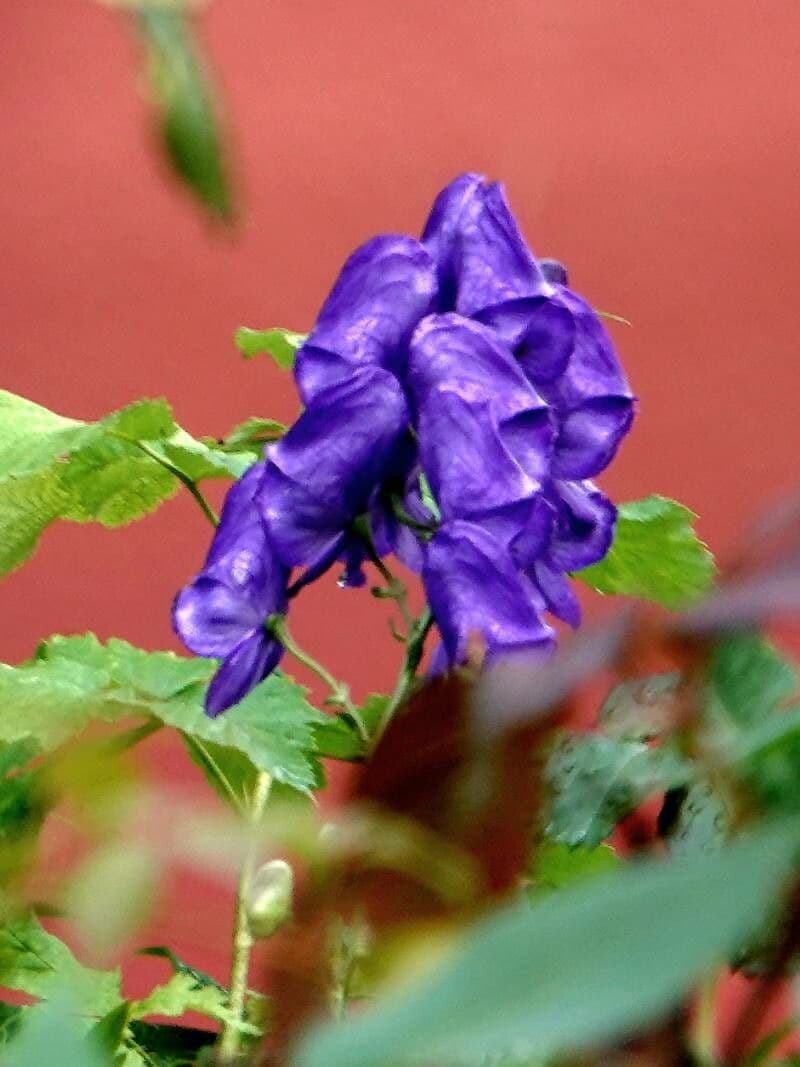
pixel 269 902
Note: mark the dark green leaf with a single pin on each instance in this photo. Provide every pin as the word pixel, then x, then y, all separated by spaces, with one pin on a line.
pixel 11 1018
pixel 596 781
pixel 656 555
pixel 339 738
pixel 278 343
pixel 22 806
pixel 750 678
pixel 109 1032
pixel 184 99
pixel 578 969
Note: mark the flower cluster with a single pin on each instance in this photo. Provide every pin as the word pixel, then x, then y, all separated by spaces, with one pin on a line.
pixel 458 395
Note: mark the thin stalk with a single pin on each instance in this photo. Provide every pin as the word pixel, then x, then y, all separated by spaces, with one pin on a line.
pixel 408 672
pixel 340 694
pixel 190 484
pixel 229 1043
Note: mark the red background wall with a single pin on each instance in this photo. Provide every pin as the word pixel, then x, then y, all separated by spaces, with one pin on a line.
pixel 653 147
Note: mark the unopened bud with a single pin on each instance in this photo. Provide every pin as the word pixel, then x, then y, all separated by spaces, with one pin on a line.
pixel 269 902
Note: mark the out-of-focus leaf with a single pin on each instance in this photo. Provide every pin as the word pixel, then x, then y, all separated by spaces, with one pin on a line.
pixel 76 680
pixel 702 824
pixel 22 806
pixel 656 555
pixel 36 962
pixel 278 343
pixel 642 709
pixel 750 678
pixel 110 1031
pixel 11 1018
pixel 51 1035
pixel 186 104
pixel 111 894
pixel 596 781
pixel 579 968
pixel 556 865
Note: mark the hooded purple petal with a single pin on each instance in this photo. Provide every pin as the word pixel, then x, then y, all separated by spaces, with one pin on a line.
pixel 474 589
pixel 592 397
pixel 584 525
pixel 383 291
pixel 482 257
pixel 321 476
pixel 558 593
pixel 256 656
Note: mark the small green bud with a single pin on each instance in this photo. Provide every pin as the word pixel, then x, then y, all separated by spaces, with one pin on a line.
pixel 269 902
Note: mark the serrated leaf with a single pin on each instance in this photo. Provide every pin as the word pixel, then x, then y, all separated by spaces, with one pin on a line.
pixel 112 485
pixel 596 781
pixel 199 460
pixel 76 680
pixel 579 969
pixel 655 555
pixel 36 962
pixel 278 343
pixel 184 99
pixel 253 434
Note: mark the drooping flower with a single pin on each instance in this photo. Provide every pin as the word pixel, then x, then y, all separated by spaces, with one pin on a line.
pixel 384 289
pixel 324 473
pixel 224 610
pixel 485 436
pixel 476 591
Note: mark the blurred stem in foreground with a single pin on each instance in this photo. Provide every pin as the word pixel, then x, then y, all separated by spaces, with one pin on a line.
pixel 229 1044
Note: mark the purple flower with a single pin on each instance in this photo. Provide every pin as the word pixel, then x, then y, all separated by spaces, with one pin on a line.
pixel 487 271
pixel 581 535
pixel 476 591
pixel 383 291
pixel 485 436
pixel 223 612
pixel 324 474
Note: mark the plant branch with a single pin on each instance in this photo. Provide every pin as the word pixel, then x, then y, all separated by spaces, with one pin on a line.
pixel 190 483
pixel 229 1049
pixel 408 672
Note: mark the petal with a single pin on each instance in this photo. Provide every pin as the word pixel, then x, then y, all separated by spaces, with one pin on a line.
pixel 468 359
pixel 481 254
pixel 384 289
pixel 322 474
pixel 584 526
pixel 474 588
pixel 211 618
pixel 558 594
pixel 592 398
pixel 540 331
pixel 237 511
pixel 248 664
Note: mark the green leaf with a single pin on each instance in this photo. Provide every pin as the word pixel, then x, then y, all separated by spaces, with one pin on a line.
pixel 11 1018
pixel 76 680
pixel 278 343
pixel 200 459
pixel 253 434
pixel 184 99
pixel 22 806
pixel 703 822
pixel 580 968
pixel 109 1032
pixel 556 865
pixel 596 781
pixel 656 555
pixel 36 962
pixel 750 679
pixel 52 1035
pixel 339 738
pixel 53 467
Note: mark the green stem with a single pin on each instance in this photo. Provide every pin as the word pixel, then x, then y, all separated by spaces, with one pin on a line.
pixel 190 484
pixel 229 1048
pixel 703 1036
pixel 408 673
pixel 340 694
